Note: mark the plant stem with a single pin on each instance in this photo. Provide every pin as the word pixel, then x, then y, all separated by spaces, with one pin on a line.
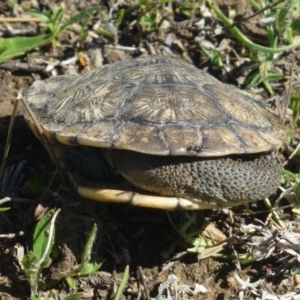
pixel 244 40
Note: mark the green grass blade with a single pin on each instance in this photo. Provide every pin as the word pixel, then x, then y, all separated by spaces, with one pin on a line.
pixel 244 40
pixel 92 266
pixel 119 18
pixel 41 235
pixel 123 283
pixel 74 296
pixel 80 16
pixel 16 46
pixel 85 257
pixel 44 18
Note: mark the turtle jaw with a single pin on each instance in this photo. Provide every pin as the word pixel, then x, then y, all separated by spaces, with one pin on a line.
pixel 136 199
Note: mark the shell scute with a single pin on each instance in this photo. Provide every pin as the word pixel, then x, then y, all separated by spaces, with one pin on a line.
pixel 155 105
pixel 140 138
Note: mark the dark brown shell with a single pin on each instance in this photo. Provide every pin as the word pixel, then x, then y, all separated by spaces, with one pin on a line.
pixel 155 105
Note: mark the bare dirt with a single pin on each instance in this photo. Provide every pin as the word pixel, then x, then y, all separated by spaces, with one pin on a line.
pixel 141 238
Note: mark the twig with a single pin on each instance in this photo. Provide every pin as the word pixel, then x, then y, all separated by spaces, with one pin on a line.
pixel 16 199
pixel 47 145
pixel 294 152
pixel 262 211
pixel 33 118
pixel 20 20
pixel 16 65
pixel 144 283
pixel 11 235
pixel 9 134
pixel 270 5
pixel 125 48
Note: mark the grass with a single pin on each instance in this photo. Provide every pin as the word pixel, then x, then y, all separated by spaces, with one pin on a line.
pixel 54 22
pixel 39 258
pixel 206 242
pixel 282 30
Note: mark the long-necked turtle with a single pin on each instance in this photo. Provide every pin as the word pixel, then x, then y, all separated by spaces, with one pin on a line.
pixel 181 138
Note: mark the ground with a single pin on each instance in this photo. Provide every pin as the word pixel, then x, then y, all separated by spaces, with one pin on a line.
pixel 142 238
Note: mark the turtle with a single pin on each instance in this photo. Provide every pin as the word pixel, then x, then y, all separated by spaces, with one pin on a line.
pixel 158 132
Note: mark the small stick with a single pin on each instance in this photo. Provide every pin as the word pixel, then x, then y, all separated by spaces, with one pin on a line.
pixel 293 154
pixel 20 20
pixel 11 235
pixel 271 5
pixel 40 130
pixel 9 134
pixel 144 283
pixel 33 117
pixel 17 65
pixel 14 199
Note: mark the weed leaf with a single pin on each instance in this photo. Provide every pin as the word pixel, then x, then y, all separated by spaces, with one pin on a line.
pixel 16 46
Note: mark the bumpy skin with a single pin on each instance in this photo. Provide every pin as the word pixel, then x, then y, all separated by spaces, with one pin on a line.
pixel 219 180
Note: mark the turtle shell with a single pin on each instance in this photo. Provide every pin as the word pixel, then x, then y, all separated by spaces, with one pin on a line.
pixel 154 105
